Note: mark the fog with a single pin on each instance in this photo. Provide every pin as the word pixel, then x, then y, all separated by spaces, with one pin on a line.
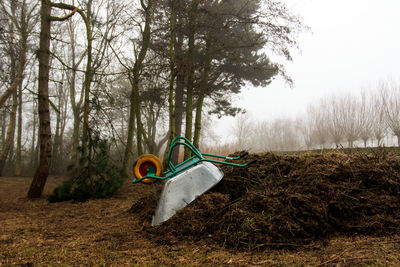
pixel 352 46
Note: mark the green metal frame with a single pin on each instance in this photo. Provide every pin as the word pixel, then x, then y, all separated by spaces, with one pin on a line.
pixel 195 159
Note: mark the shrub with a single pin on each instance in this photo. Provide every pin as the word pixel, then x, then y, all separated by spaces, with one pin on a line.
pixel 95 176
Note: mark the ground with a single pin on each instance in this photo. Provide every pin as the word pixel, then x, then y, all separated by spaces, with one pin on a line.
pixel 105 232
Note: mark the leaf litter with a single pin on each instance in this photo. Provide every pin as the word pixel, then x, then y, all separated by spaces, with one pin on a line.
pixel 311 209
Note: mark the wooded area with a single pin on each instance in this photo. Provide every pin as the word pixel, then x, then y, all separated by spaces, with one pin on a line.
pixel 85 83
pixel 125 77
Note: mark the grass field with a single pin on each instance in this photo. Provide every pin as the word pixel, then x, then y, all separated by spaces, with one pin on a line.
pixel 104 233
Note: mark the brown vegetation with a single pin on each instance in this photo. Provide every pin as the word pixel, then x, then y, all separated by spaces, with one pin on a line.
pixel 290 201
pixel 319 210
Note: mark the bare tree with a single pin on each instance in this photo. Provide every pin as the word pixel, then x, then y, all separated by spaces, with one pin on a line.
pixel 42 172
pixel 59 155
pixel 391 100
pixel 10 133
pixel 350 118
pixel 74 60
pixel 40 177
pixel 320 132
pixel 190 71
pixel 365 115
pixel 171 59
pixel 305 126
pixel 261 132
pixel 333 110
pixel 22 18
pixel 241 131
pixel 378 117
pixel 134 70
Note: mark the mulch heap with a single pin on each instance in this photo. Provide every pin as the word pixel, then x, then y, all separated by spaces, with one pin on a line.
pixel 290 201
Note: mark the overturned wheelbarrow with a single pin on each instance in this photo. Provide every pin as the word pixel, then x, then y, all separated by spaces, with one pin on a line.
pixel 183 182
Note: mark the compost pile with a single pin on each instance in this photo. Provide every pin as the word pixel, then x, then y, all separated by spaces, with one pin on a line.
pixel 291 200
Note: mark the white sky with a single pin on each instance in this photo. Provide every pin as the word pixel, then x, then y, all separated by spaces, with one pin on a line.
pixel 353 44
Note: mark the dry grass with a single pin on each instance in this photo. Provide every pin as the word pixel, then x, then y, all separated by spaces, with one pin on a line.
pixel 103 232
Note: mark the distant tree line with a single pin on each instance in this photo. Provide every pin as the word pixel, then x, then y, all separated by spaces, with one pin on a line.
pixel 335 121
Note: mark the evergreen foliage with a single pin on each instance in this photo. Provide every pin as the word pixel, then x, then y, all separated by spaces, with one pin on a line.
pixel 97 178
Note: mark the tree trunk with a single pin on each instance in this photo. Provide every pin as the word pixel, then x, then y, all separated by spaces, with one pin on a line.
pixel 350 143
pixel 75 140
pixel 88 82
pixel 129 142
pixel 23 38
pixel 37 149
pixel 137 113
pixel 10 134
pixel 190 78
pixel 3 128
pixel 171 106
pixel 197 124
pixel 57 162
pixel 135 100
pixel 180 84
pixel 87 19
pixel 56 144
pixel 17 77
pixel 40 177
pixel 17 169
pixel 203 87
pixel 34 137
pixel 64 114
pixel 161 143
pixel 365 142
pixel 179 110
pixel 13 87
pixel 76 107
pixel 379 140
pixel 136 75
pixel 152 117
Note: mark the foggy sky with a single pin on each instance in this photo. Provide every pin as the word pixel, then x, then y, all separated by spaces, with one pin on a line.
pixel 353 44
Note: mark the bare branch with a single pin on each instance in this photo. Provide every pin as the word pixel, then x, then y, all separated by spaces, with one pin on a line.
pixel 52 18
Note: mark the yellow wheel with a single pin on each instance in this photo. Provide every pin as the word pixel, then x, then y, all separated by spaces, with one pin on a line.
pixel 147 164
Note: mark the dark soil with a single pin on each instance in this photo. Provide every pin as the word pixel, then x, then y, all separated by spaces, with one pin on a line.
pixel 290 201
